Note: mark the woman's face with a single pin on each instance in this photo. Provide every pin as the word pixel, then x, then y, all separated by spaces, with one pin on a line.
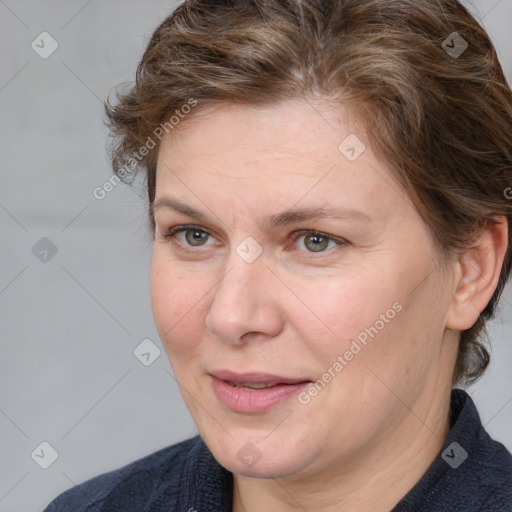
pixel 299 264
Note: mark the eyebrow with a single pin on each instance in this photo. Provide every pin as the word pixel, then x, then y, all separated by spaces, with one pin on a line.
pixel 269 222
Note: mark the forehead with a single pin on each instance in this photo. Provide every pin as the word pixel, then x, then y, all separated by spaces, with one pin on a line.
pixel 300 128
pixel 297 151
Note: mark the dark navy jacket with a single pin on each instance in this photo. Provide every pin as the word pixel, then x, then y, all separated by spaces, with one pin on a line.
pixel 472 473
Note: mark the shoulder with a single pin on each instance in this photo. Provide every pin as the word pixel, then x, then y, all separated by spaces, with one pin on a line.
pixel 477 468
pixel 489 461
pixel 472 473
pixel 136 483
pixel 491 473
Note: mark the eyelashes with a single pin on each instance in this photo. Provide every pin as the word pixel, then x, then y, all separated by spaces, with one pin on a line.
pixel 193 236
pixel 172 232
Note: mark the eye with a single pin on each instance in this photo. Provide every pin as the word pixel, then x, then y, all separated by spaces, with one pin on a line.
pixel 315 241
pixel 188 236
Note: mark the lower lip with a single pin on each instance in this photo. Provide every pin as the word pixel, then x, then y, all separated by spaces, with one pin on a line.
pixel 258 400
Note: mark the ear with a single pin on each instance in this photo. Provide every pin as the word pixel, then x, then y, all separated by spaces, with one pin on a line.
pixel 476 275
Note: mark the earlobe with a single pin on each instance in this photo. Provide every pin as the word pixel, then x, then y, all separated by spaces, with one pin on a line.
pixel 477 274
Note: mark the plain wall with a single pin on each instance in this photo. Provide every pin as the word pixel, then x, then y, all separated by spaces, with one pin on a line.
pixel 69 325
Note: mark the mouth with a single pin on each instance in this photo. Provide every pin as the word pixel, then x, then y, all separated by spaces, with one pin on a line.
pixel 254 392
pixel 252 386
pixel 255 380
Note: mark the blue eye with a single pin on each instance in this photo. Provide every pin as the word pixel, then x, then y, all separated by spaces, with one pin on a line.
pixel 193 236
pixel 196 237
pixel 315 241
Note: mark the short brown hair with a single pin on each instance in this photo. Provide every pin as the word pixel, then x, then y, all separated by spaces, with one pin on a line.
pixel 425 70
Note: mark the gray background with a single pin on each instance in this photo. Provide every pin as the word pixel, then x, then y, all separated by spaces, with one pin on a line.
pixel 69 325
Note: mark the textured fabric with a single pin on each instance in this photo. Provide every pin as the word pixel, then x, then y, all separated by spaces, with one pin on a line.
pixel 473 473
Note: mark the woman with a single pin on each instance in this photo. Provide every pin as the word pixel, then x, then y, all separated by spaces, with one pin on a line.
pixel 327 185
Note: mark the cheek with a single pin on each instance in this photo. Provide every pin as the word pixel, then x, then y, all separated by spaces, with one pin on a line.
pixel 177 308
pixel 343 310
pixel 374 334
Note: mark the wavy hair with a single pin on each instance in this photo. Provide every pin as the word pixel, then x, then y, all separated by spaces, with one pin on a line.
pixel 424 73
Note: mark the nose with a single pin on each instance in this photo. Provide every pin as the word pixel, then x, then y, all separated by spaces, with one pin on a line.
pixel 246 304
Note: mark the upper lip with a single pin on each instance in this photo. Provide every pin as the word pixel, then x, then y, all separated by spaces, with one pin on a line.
pixel 255 378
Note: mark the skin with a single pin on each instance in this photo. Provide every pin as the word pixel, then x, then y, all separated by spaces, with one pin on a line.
pixel 363 441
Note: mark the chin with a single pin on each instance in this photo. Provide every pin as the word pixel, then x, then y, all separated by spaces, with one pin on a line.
pixel 259 457
pixel 279 466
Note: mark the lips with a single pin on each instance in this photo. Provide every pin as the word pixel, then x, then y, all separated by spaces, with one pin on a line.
pixel 241 379
pixel 249 385
pixel 254 392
